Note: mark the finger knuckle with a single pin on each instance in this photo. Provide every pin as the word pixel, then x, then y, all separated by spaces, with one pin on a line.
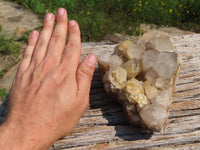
pixel 86 73
pixel 57 38
pixel 24 77
pixel 31 42
pixel 42 43
pixel 26 55
pixel 47 25
pixel 70 45
pixel 18 77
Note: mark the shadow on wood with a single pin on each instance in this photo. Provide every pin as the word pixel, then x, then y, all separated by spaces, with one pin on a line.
pixel 113 112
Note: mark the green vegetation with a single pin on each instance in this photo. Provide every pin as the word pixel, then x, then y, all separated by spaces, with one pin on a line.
pixel 98 17
pixel 9 46
pixel 23 36
pixel 3 93
pixel 3 71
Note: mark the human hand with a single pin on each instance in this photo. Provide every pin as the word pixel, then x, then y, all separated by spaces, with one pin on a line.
pixel 51 89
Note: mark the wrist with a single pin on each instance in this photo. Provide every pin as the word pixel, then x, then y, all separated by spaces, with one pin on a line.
pixel 10 137
pixel 14 137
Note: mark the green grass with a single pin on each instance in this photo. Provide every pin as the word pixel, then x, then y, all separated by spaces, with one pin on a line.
pixel 9 46
pixel 3 71
pixel 23 36
pixel 98 17
pixel 3 93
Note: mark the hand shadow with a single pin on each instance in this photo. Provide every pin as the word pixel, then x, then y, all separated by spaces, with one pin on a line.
pixel 3 110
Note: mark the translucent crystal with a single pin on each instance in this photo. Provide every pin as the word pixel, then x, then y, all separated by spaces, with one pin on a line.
pixel 149 59
pixel 103 61
pixel 141 77
pixel 163 98
pixel 161 43
pixel 146 38
pixel 130 50
pixel 151 75
pixel 166 64
pixel 160 82
pixel 154 116
pixel 150 90
pixel 134 51
pixel 115 61
pixel 132 67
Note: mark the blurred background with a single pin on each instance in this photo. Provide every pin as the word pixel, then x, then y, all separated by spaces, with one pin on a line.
pixel 98 17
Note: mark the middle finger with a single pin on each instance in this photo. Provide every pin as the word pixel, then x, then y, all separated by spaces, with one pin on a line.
pixel 58 39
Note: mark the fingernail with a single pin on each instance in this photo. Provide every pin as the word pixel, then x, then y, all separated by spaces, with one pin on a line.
pixel 33 34
pixel 91 60
pixel 47 17
pixel 60 11
pixel 72 23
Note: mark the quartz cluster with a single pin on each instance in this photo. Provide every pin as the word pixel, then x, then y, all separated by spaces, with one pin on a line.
pixel 141 76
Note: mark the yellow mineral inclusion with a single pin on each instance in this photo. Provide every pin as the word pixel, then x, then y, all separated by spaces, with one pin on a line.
pixel 135 92
pixel 125 45
pixel 117 76
pixel 142 100
pixel 150 90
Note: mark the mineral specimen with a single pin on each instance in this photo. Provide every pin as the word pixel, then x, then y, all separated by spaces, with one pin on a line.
pixel 141 77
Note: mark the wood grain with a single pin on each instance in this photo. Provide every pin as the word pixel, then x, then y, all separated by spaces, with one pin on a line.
pixel 104 126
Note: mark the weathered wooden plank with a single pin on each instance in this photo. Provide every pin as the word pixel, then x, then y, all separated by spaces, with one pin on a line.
pixel 127 139
pixel 177 147
pixel 104 126
pixel 194 146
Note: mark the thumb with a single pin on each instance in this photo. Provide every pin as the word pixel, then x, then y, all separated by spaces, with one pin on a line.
pixel 85 73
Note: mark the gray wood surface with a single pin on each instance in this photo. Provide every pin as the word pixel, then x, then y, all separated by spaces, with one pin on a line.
pixel 104 126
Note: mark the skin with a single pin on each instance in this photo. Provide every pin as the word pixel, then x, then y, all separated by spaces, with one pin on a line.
pixel 51 89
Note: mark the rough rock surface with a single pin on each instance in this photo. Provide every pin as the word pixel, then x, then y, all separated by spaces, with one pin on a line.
pixel 14 17
pixel 6 81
